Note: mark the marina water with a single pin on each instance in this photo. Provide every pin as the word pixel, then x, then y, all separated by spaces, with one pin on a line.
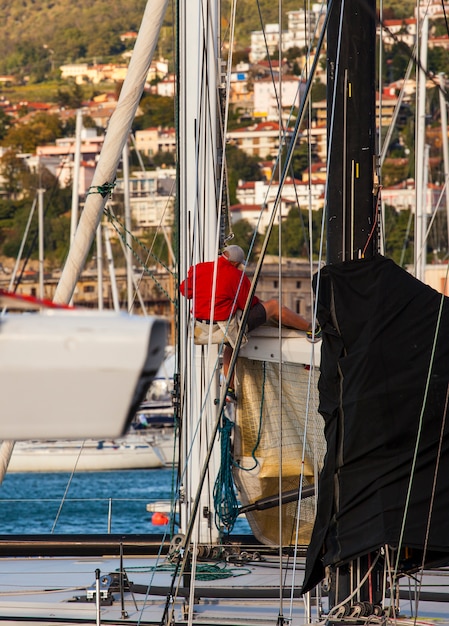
pixel 86 503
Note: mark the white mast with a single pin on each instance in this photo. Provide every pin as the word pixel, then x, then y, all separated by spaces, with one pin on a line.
pixel 76 174
pixel 198 173
pixel 420 208
pixel 40 207
pixel 128 250
pixel 112 278
pixel 443 109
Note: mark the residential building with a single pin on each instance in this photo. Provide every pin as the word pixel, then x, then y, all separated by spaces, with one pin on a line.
pixel 295 290
pixel 403 197
pixel 434 9
pixel 109 72
pixel 385 107
pixel 151 196
pixel 239 87
pixel 268 95
pixel 301 27
pixel 58 158
pixel 439 42
pixel 257 198
pixel 167 86
pixel 395 31
pixel 152 140
pixel 300 31
pixel 264 42
pixel 261 140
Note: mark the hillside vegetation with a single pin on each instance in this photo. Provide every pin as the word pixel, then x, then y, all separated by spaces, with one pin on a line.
pixel 36 36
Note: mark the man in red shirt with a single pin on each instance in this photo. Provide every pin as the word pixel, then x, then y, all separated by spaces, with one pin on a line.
pixel 218 301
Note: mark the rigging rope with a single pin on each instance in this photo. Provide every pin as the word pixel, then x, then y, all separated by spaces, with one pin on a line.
pixel 104 190
pixel 205 571
pixel 114 221
pixel 226 505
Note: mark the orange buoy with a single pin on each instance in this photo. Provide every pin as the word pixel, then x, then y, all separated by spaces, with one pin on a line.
pixel 159 519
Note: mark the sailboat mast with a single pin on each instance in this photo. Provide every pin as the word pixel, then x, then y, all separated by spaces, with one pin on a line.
pixel 198 210
pixel 352 180
pixel 352 177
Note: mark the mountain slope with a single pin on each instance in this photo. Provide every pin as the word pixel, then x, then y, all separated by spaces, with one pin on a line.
pixel 37 35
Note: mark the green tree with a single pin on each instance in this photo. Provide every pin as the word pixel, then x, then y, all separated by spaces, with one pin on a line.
pixel 156 111
pixel 243 236
pixel 295 234
pixel 395 171
pixel 5 123
pixel 163 158
pixel 56 225
pixel 240 166
pixel 71 96
pixel 42 128
pixel 12 169
pixel 399 235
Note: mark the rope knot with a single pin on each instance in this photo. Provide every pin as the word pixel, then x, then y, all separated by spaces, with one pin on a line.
pixel 104 190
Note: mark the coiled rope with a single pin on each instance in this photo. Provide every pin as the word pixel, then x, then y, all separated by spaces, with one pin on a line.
pixel 225 499
pixel 204 571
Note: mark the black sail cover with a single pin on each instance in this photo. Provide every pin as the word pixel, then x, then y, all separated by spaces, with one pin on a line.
pixel 383 388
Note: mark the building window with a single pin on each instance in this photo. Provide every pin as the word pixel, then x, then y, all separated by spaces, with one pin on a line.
pixel 298 307
pixel 275 284
pixel 88 289
pixel 298 284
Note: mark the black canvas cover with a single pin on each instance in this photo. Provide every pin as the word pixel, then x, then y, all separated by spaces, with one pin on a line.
pixel 383 391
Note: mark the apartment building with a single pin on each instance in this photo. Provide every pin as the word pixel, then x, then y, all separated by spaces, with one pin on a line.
pixel 152 140
pixel 256 199
pixel 151 196
pixel 300 30
pixel 260 140
pixel 268 96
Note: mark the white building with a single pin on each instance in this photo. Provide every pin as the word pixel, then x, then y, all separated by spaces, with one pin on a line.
pixel 151 196
pixel 263 40
pixel 167 86
pixel 403 197
pixel 301 30
pixel 394 31
pixel 301 27
pixel 434 9
pixel 261 140
pixel 266 96
pixel 256 200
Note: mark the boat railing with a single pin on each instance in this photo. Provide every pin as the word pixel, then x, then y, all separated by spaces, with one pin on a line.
pixel 87 515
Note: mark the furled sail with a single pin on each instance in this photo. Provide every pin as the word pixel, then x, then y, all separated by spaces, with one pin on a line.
pixel 383 394
pixel 279 433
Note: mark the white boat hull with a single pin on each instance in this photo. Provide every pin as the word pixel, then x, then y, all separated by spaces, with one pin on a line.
pixel 92 455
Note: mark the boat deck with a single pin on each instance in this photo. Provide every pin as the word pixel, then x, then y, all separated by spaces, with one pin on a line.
pixel 55 590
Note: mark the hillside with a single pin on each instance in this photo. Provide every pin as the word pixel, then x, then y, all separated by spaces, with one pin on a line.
pixel 36 36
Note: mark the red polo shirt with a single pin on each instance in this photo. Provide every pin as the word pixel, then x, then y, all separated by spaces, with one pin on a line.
pixel 231 293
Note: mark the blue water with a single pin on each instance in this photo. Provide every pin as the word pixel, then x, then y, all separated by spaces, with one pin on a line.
pixel 43 503
pixel 88 502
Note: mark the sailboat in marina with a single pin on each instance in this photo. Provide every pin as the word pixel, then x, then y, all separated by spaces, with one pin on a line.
pixel 360 484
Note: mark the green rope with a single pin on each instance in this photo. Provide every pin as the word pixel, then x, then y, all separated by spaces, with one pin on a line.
pixel 215 571
pixel 225 499
pixel 114 221
pixel 104 190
